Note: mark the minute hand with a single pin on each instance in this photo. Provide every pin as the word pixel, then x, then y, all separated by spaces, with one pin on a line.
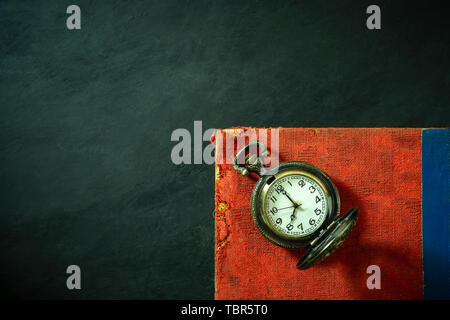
pixel 290 199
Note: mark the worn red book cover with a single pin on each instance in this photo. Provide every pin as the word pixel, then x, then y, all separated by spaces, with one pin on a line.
pixel 378 170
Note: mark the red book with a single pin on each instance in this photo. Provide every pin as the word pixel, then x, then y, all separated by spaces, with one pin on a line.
pixel 378 170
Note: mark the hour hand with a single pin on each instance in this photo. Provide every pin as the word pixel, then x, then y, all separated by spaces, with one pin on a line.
pixel 293 215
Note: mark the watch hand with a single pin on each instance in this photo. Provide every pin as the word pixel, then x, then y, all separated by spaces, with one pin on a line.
pixel 293 216
pixel 290 199
pixel 286 208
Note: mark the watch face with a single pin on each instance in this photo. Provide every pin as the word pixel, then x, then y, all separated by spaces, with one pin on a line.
pixel 295 205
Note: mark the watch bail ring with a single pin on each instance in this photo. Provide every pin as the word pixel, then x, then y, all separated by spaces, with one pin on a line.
pixel 253 161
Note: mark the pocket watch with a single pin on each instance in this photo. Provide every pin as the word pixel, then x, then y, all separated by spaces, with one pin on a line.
pixel 295 205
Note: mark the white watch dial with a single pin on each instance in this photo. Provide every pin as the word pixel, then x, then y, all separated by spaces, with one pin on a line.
pixel 295 206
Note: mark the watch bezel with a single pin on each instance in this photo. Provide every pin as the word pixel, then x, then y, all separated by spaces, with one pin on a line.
pixel 292 167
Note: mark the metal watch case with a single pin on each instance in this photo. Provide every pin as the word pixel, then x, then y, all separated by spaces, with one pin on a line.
pixel 293 167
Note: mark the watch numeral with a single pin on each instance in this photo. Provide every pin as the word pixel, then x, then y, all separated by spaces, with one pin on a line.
pixel 273 210
pixel 317 199
pixel 290 183
pixel 312 189
pixel 318 211
pixel 273 199
pixel 279 221
pixel 312 221
pixel 289 227
pixel 280 189
pixel 300 226
pixel 301 183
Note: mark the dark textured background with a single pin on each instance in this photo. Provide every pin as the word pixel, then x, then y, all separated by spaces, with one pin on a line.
pixel 86 118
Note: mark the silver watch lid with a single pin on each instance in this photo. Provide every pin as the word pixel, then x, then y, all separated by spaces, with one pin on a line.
pixel 329 240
